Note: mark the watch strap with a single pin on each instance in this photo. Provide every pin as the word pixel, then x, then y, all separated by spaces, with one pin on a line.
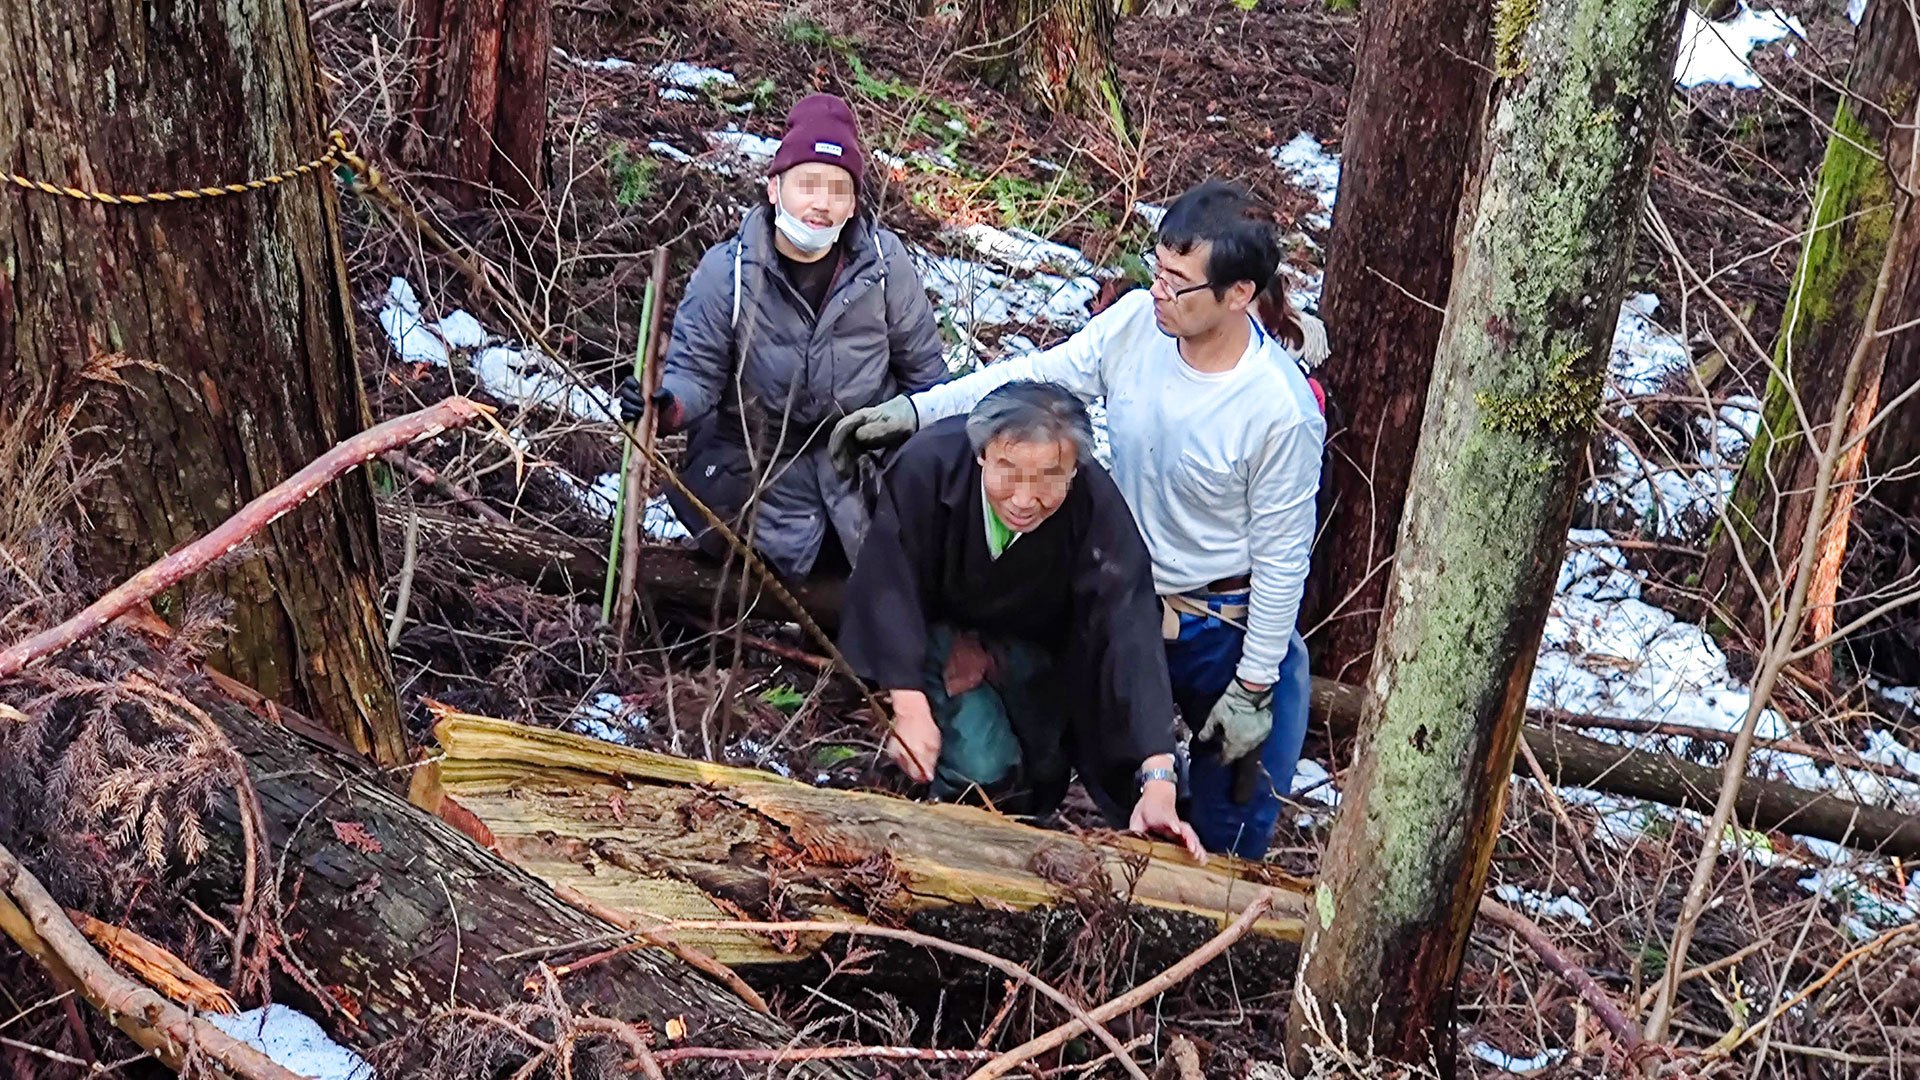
pixel 1144 775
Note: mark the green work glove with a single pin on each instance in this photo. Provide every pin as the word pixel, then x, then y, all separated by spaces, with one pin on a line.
pixel 1241 720
pixel 871 428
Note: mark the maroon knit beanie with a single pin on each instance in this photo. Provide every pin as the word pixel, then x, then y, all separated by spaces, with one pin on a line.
pixel 820 128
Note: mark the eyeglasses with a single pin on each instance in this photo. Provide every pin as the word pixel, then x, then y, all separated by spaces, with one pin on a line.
pixel 1172 292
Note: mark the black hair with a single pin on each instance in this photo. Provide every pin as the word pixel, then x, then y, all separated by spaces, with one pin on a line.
pixel 1243 247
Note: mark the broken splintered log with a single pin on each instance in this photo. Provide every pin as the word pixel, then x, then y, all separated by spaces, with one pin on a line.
pixel 673 839
pixel 675 575
pixel 386 906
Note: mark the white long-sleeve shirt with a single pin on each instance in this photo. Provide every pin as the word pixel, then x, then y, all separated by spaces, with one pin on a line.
pixel 1220 470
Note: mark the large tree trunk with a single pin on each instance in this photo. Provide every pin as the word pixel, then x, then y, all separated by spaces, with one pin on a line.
pixel 387 907
pixel 1522 358
pixel 1413 120
pixel 208 343
pixel 479 109
pixel 1055 55
pixel 1846 245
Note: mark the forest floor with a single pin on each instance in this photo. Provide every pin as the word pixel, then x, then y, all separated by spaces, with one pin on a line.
pixel 662 114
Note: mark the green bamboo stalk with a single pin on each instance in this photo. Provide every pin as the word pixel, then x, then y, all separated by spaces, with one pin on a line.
pixel 626 455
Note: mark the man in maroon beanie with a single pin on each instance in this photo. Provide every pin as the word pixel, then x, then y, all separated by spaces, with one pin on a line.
pixel 811 311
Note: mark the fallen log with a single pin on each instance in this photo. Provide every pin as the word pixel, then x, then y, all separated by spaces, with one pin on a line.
pixel 396 915
pixel 1574 760
pixel 565 565
pixel 672 839
pixel 1570 758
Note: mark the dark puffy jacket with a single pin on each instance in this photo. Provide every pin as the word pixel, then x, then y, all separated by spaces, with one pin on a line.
pixel 762 385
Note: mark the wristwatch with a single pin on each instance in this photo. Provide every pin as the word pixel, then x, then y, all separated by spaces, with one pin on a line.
pixel 1144 775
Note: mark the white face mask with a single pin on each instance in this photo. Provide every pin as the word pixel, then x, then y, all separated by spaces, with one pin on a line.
pixel 811 239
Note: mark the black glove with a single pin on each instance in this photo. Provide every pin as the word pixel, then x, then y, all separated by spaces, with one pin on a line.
pixel 669 415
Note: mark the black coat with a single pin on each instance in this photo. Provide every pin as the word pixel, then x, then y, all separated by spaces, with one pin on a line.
pixel 1080 586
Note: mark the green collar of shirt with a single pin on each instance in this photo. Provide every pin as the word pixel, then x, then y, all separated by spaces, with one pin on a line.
pixel 999 536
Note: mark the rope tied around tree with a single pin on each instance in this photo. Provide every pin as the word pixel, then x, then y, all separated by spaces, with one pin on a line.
pixel 338 153
pixel 366 179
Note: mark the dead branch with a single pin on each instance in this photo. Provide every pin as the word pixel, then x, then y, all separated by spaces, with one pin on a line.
pixel 157 967
pixel 1833 972
pixel 818 1053
pixel 40 927
pixel 1132 999
pixel 1618 1023
pixel 1692 731
pixel 1082 1019
pixel 424 473
pixel 193 557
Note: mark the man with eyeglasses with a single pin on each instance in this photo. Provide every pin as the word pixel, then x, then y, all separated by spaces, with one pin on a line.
pixel 1216 438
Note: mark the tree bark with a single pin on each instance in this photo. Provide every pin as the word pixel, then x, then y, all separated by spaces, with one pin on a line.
pixel 479 108
pixel 1413 122
pixel 1054 55
pixel 208 344
pixel 387 920
pixel 1850 235
pixel 1522 358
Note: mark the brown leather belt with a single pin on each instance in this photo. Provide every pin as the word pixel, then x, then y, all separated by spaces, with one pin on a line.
pixel 1239 583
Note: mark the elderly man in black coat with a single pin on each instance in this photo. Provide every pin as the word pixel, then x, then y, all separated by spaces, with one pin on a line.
pixel 1005 598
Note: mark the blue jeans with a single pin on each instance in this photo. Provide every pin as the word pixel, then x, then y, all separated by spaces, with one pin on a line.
pixel 1201 662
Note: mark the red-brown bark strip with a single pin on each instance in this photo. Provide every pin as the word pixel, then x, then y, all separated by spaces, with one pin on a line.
pixel 183 561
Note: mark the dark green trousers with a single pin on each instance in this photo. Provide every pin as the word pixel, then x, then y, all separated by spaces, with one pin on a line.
pixel 1003 737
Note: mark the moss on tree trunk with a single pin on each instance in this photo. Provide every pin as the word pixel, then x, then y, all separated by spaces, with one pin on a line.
pixel 1536 291
pixel 208 344
pixel 1846 244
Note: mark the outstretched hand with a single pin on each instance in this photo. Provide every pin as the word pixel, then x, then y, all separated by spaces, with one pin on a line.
pixel 1155 814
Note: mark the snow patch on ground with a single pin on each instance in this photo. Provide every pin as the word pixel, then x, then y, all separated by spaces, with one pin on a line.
pixel 294 1042
pixel 1540 904
pixel 523 376
pixel 687 76
pixel 969 295
pixel 512 373
pixel 1606 652
pixel 1716 52
pixel 1500 1059
pixel 1018 249
pixel 1309 166
pixel 1647 358
pixel 611 63
pixel 609 718
pixel 744 147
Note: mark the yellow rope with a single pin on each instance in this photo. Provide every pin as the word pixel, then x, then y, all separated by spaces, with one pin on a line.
pixel 337 154
pixel 340 153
